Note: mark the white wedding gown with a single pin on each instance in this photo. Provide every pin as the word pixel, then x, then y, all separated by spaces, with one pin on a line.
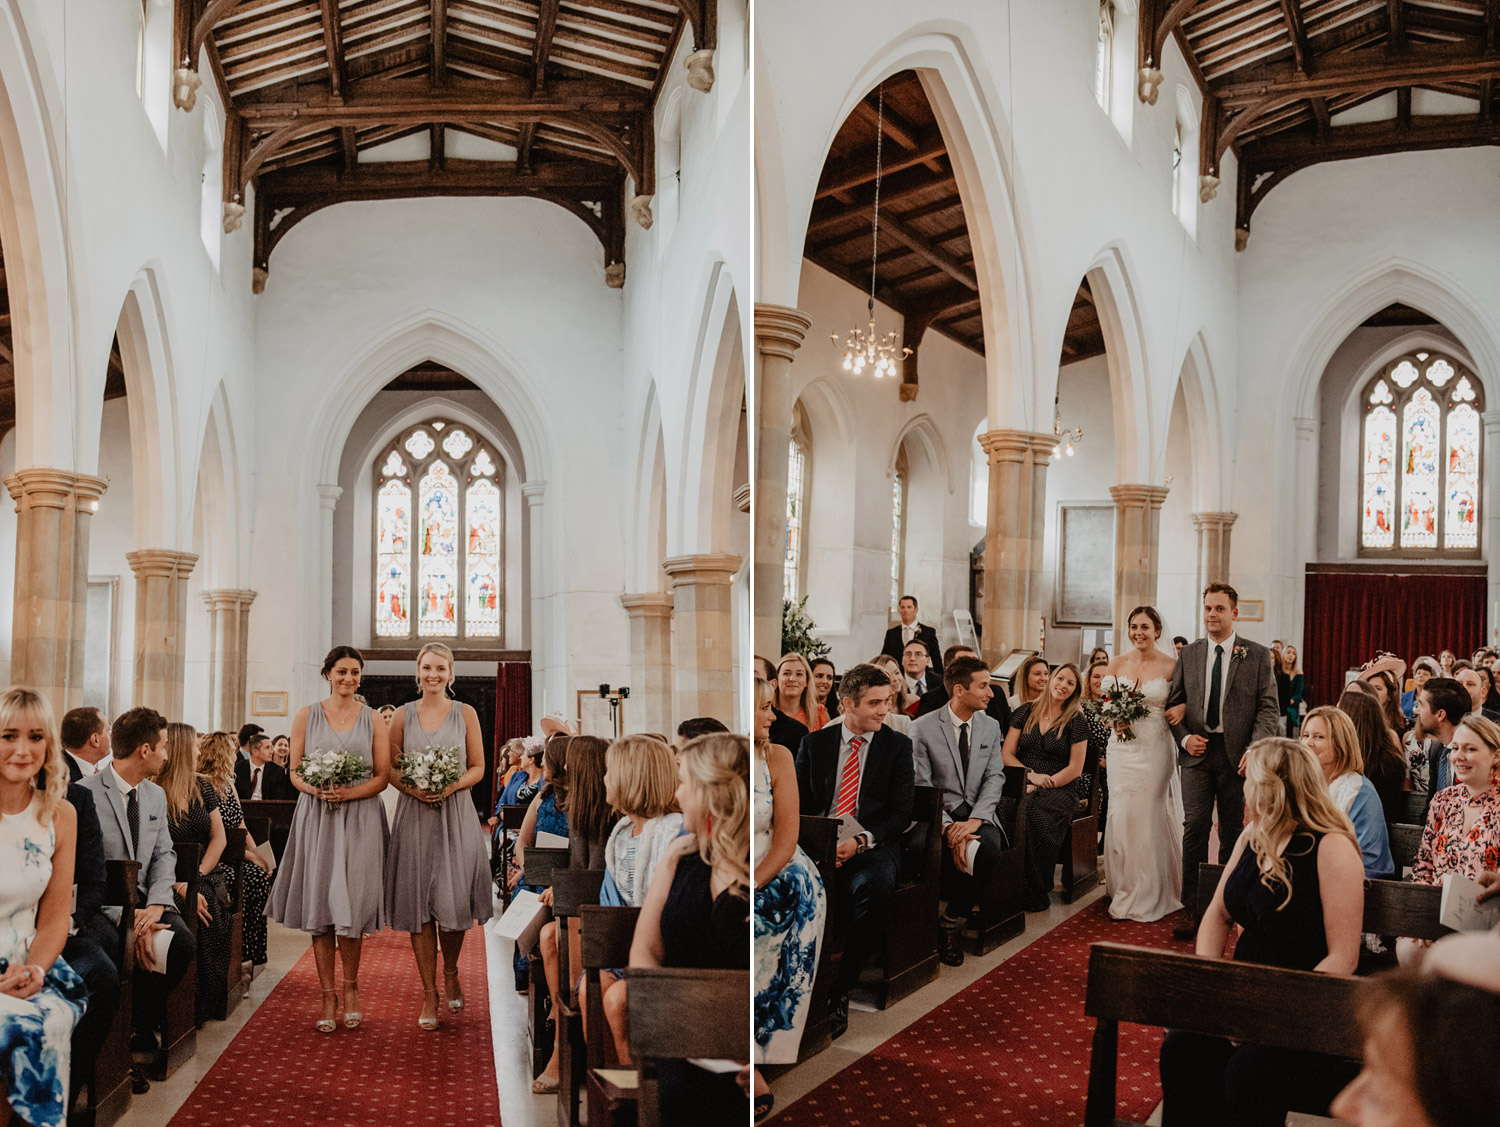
pixel 1143 832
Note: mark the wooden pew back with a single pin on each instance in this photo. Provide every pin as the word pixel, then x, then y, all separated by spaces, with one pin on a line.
pixel 109 1084
pixel 1392 907
pixel 571 890
pixel 676 1013
pixel 818 838
pixel 179 1035
pixel 543 864
pixel 237 981
pixel 1405 840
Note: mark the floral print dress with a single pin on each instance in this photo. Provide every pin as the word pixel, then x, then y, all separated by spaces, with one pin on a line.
pixel 1447 847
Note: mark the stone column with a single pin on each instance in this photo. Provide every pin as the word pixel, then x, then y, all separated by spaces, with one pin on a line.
pixel 704 608
pixel 161 576
pixel 1213 547
pixel 535 493
pixel 228 650
pixel 778 334
pixel 328 499
pixel 650 661
pixel 1489 540
pixel 1013 539
pixel 53 508
pixel 1137 534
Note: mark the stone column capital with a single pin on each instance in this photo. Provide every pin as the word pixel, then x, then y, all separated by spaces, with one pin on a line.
pixel 227 598
pixel 649 604
pixel 1017 446
pixel 161 563
pixel 42 487
pixel 1142 495
pixel 780 330
pixel 534 492
pixel 742 498
pixel 1305 427
pixel 707 567
pixel 328 496
pixel 1213 520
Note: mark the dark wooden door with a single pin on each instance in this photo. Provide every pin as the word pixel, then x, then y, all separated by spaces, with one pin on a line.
pixel 476 691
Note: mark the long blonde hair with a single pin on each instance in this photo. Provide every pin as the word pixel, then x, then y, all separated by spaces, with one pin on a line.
pixel 1285 793
pixel 1071 707
pixel 718 767
pixel 1348 758
pixel 217 752
pixel 22 708
pixel 179 778
pixel 765 692
pixel 809 698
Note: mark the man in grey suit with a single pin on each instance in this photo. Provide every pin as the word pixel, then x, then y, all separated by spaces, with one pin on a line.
pixel 1222 699
pixel 957 750
pixel 133 819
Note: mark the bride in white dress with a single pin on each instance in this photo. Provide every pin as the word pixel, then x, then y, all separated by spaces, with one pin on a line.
pixel 1143 831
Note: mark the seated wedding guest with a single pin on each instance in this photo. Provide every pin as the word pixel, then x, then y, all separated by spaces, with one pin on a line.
pixel 1382 760
pixel 1421 670
pixel 247 732
pixel 526 779
pixel 696 726
pixel 824 675
pixel 545 815
pixel 898 717
pixel 1289 689
pixel 259 776
pixel 1441 706
pixel 697 910
pixel 1098 653
pixel 1178 641
pixel 1384 687
pixel 1445 663
pixel 1049 737
pixel 194 818
pixel 216 763
pixel 791 905
pixel 1420 1028
pixel 1029 681
pixel 1492 701
pixel 764 667
pixel 41 998
pixel 1331 736
pixel 795 697
pixel 386 712
pixel 1477 684
pixel 1295 886
pixel 93 945
pixel 860 768
pixel 914 669
pixel 1099 733
pixel 957 750
pixel 998 709
pixel 85 741
pixel 1462 833
pixel 508 762
pixel 909 628
pixel 132 806
pixel 281 750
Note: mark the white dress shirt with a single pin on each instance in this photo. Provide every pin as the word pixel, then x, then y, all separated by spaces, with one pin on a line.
pixel 85 766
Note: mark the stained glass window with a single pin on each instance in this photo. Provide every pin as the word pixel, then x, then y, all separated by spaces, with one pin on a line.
pixel 1422 444
pixel 438 567
pixel 796 463
pixel 1103 50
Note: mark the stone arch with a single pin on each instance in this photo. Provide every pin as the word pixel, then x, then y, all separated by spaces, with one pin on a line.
pixel 922 432
pixel 646 531
pixel 929 475
pixel 216 517
pixel 1208 450
pixel 828 531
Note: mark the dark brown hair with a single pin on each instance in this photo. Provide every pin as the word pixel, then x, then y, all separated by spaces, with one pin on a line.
pixel 1394 718
pixel 1150 612
pixel 133 728
pixel 337 654
pixel 860 678
pixel 555 756
pixel 960 671
pixel 79 725
pixel 590 817
pixel 1220 588
pixel 1379 747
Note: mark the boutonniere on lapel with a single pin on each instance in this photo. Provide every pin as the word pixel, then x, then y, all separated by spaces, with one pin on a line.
pixel 1240 652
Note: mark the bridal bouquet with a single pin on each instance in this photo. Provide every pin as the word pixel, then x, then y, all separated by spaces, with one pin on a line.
pixel 1120 702
pixel 432 769
pixel 332 768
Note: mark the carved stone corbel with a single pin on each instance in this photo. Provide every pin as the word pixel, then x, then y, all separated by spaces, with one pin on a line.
pixel 700 68
pixel 185 85
pixel 234 216
pixel 1150 83
pixel 1208 188
pixel 640 211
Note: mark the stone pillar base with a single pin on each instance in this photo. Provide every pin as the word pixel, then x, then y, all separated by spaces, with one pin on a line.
pixel 161 576
pixel 651 660
pixel 704 609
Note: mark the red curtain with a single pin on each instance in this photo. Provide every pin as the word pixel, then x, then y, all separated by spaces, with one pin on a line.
pixel 512 709
pixel 1351 616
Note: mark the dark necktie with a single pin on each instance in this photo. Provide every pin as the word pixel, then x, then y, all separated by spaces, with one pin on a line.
pixel 133 816
pixel 963 747
pixel 1444 770
pixel 1214 689
pixel 254 782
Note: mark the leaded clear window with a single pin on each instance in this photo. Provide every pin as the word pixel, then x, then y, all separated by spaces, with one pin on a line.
pixel 898 531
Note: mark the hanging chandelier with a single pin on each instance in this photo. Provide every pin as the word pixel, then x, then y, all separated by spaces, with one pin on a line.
pixel 1066 439
pixel 865 348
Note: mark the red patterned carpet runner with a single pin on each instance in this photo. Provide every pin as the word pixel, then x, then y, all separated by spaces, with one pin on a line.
pixel 280 1072
pixel 1011 1049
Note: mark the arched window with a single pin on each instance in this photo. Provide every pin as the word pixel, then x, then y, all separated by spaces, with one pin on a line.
pixel 898 530
pixel 438 515
pixel 1177 168
pixel 1104 50
pixel 1420 448
pixel 140 53
pixel 796 507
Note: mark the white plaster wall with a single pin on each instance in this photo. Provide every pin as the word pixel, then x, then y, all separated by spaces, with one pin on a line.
pixel 1177 554
pixel 112 535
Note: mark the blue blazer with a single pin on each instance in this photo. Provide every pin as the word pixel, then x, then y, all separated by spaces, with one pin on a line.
pixel 153 847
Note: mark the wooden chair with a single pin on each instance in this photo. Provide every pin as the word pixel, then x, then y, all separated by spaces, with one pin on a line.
pixel 1002 900
pixel 106 1085
pixel 819 838
pixel 237 982
pixel 1392 907
pixel 1080 849
pixel 1288 1009
pixel 571 890
pixel 911 935
pixel 677 1013
pixel 541 866
pixel 606 934
pixel 1405 840
pixel 179 1028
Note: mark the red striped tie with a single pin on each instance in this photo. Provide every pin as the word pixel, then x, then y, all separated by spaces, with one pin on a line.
pixel 849 784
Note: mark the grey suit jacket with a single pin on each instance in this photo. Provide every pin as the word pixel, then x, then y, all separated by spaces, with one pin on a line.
pixel 936 762
pixel 153 848
pixel 1250 710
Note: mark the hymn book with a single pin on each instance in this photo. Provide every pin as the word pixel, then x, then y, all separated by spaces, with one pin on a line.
pixel 1460 908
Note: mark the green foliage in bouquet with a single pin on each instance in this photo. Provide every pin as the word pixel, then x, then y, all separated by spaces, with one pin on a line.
pixel 799 633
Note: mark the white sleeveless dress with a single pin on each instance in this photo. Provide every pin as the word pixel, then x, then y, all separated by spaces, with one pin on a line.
pixel 1143 832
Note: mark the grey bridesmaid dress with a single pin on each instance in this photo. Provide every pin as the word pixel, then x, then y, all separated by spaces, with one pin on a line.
pixel 436 865
pixel 332 874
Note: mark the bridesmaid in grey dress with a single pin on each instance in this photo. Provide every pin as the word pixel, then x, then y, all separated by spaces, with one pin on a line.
pixel 437 872
pixel 331 881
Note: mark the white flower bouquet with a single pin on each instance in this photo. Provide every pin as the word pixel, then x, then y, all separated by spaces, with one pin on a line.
pixel 432 769
pixel 1121 703
pixel 322 768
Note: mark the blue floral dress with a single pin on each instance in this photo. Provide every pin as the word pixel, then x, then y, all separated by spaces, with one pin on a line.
pixel 35 1032
pixel 790 911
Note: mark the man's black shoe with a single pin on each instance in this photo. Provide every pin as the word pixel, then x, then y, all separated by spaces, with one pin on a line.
pixel 1187 926
pixel 838 1015
pixel 950 942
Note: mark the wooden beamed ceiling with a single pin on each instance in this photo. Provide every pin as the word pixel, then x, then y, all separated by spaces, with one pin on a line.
pixel 545 98
pixel 1277 74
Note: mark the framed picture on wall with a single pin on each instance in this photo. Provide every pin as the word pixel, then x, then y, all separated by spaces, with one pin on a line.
pixel 1252 610
pixel 267 704
pixel 1085 540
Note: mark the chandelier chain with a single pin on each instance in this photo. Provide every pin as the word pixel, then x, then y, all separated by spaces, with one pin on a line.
pixel 879 174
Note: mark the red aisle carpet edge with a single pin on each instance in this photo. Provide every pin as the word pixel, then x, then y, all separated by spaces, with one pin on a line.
pixel 1010 1049
pixel 280 1072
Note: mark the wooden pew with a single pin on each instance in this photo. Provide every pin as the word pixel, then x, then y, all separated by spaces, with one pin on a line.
pixel 571 890
pixel 607 934
pixel 511 818
pixel 179 1031
pixel 541 866
pixel 280 812
pixel 1289 1009
pixel 1080 849
pixel 106 1084
pixel 819 839
pixel 1001 903
pixel 1392 907
pixel 676 1013
pixel 911 934
pixel 1405 841
pixel 237 981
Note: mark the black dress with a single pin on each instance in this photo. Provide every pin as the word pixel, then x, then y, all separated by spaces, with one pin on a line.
pixel 196 828
pixel 257 884
pixel 1049 811
pixel 1211 1080
pixel 703 931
